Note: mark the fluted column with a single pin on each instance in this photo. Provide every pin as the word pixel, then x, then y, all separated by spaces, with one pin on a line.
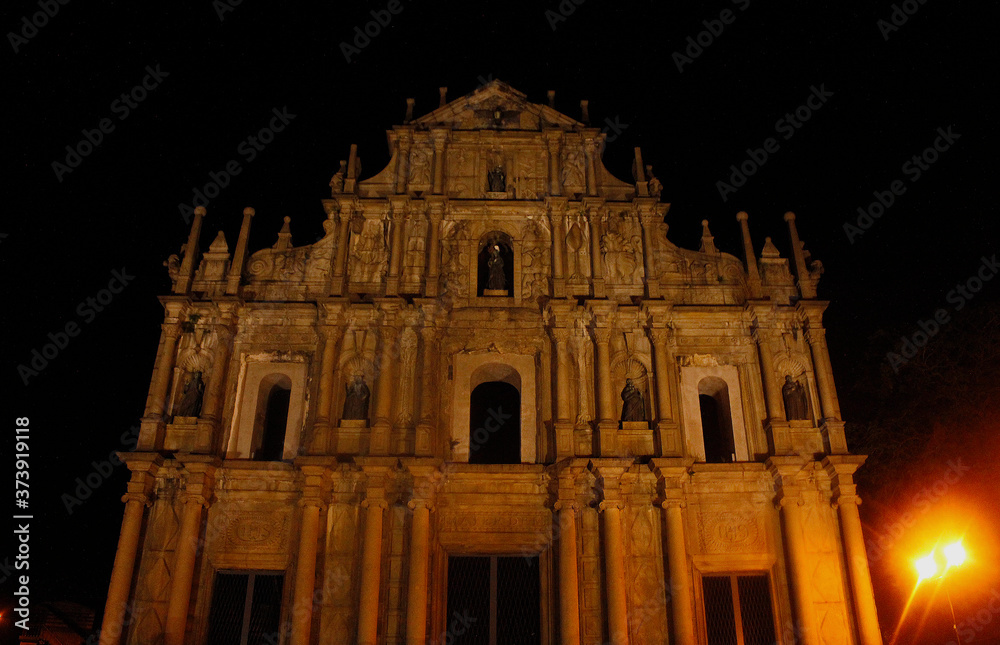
pixel 596 257
pixel 680 586
pixel 824 372
pixel 590 151
pixel 555 180
pixel 324 409
pixel 371 561
pixel 772 393
pixel 402 161
pixel 558 215
pixel 136 500
pixel 200 481
pixel 841 469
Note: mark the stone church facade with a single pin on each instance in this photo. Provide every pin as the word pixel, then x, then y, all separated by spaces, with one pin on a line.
pixel 493 403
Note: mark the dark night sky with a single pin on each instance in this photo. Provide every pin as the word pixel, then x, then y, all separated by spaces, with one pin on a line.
pixel 119 209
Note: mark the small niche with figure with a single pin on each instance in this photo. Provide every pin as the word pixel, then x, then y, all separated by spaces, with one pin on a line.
pixel 496 265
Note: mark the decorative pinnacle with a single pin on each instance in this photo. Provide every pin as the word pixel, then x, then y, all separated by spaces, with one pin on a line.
pixel 789 216
pixel 742 216
pixel 200 211
pixel 249 212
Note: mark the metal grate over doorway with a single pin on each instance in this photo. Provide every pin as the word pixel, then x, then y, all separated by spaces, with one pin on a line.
pixel 493 600
pixel 246 608
pixel 738 610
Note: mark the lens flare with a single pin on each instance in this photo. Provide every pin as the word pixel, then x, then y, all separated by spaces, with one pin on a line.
pixel 955 554
pixel 927 567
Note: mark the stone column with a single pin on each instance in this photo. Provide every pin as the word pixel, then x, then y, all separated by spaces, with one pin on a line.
pixel 200 482
pixel 557 210
pixel 564 391
pixel 428 388
pixel 569 583
pixel 609 472
pixel 144 468
pixel 596 257
pixel 672 474
pixel 590 151
pixel 606 396
pixel 305 567
pixel 371 558
pixel 160 387
pixel 772 392
pixel 824 372
pixel 439 145
pixel 790 502
pixel 239 256
pixel 337 283
pixel 555 180
pixel 649 222
pixel 435 215
pixel 188 264
pixel 841 470
pixel 663 367
pixel 385 390
pixel 402 161
pixel 425 478
pixel 396 245
pixel 331 335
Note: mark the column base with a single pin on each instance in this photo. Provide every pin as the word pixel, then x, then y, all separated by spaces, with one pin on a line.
pixel 422 443
pixel 379 441
pixel 833 436
pixel 337 285
pixel 559 287
pixel 321 439
pixel 607 439
pixel 669 435
pixel 564 439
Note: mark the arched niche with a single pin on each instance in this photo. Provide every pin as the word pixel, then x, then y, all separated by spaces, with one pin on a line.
pixel 472 370
pixel 721 384
pixel 258 379
pixel 505 251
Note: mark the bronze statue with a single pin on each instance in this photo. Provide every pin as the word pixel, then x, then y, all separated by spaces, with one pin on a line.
pixel 190 403
pixel 796 406
pixel 633 408
pixel 356 403
pixel 496 280
pixel 497 178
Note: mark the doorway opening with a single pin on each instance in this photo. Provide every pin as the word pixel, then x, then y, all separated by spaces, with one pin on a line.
pixel 494 600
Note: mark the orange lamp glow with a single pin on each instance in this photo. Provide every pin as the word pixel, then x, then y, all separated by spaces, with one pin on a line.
pixel 955 554
pixel 927 567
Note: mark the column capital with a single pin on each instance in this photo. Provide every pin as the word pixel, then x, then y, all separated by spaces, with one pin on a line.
pixel 199 477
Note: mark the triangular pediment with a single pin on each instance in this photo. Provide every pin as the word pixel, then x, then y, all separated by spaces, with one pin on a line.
pixel 499 106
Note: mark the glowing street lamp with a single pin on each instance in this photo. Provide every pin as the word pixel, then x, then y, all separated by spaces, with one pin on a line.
pixel 927 567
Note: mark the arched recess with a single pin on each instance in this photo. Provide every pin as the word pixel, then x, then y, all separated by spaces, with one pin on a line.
pixel 795 367
pixel 472 370
pixel 505 246
pixel 495 424
pixel 271 418
pixel 716 420
pixel 257 380
pixel 720 383
pixel 636 367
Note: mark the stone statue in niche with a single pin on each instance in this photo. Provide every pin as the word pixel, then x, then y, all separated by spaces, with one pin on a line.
pixel 621 257
pixel 496 279
pixel 633 408
pixel 796 406
pixel 190 403
pixel 497 178
pixel 356 403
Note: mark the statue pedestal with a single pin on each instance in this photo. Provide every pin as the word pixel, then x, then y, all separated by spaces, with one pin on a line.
pixel 583 440
pixel 671 442
pixel 496 292
pixel 635 439
pixel 351 437
pixel 564 439
pixel 496 194
pixel 181 435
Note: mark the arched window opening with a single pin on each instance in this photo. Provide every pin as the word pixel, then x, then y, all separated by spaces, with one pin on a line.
pixel 495 424
pixel 496 265
pixel 271 419
pixel 716 421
